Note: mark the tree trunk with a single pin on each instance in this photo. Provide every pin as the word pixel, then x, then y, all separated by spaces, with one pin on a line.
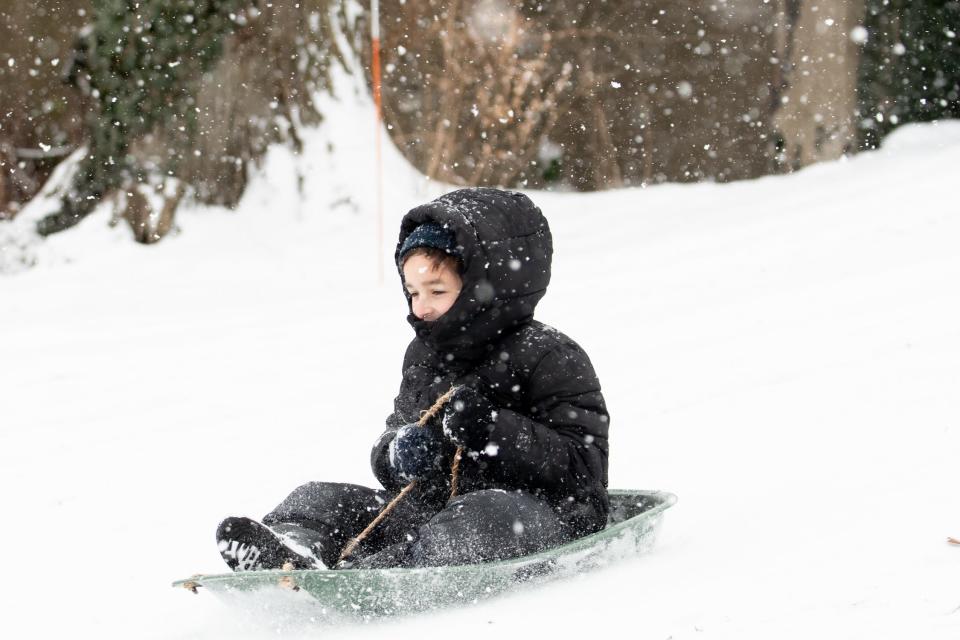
pixel 816 117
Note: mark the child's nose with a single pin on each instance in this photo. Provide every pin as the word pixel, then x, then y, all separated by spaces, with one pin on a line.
pixel 420 310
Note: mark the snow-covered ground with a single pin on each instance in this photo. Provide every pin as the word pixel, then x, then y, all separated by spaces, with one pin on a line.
pixel 784 354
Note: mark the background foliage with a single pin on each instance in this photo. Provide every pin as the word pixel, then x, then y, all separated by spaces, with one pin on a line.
pixel 910 71
pixel 180 98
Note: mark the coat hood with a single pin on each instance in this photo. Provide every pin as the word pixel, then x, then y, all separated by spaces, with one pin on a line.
pixel 506 249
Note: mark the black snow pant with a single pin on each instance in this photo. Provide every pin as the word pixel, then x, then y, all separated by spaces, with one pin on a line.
pixel 485 525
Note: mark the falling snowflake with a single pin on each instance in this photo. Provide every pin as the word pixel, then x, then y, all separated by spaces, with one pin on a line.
pixel 859 34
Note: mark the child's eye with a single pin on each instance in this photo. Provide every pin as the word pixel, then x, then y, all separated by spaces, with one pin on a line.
pixel 413 294
pixel 438 292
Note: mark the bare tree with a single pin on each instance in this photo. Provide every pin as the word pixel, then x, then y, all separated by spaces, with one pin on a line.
pixel 592 94
pixel 818 101
pixel 41 117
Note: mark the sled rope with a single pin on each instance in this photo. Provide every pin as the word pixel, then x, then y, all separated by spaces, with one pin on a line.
pixel 455 472
pixel 425 417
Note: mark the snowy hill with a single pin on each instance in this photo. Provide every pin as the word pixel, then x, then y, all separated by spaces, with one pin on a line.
pixel 784 354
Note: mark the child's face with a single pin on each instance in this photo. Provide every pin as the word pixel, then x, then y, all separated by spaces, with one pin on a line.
pixel 432 289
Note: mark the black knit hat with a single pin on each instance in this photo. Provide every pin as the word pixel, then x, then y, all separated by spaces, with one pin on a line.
pixel 429 234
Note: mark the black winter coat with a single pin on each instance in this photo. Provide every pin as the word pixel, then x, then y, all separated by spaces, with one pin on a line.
pixel 550 434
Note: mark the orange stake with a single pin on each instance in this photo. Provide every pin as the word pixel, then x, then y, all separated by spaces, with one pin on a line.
pixel 378 109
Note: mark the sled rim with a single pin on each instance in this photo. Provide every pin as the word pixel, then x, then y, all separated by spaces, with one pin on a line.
pixel 664 500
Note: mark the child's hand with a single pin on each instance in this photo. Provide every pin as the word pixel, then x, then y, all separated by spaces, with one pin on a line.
pixel 468 418
pixel 415 452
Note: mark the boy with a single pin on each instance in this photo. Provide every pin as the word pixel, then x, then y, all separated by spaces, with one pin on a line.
pixel 527 412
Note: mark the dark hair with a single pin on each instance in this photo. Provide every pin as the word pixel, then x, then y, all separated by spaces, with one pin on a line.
pixel 437 258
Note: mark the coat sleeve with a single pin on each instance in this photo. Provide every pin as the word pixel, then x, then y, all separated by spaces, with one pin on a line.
pixel 562 449
pixel 379 454
pixel 418 389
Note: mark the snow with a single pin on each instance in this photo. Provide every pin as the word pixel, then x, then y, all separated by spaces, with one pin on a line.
pixel 783 354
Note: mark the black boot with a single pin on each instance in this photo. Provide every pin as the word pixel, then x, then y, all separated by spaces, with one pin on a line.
pixel 247 545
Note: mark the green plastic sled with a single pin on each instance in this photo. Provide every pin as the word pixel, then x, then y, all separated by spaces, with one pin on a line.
pixel 325 595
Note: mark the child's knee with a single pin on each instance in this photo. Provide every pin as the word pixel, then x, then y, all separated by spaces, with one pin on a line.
pixel 491 524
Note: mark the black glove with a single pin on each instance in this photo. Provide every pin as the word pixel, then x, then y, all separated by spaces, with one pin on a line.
pixel 415 452
pixel 468 419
